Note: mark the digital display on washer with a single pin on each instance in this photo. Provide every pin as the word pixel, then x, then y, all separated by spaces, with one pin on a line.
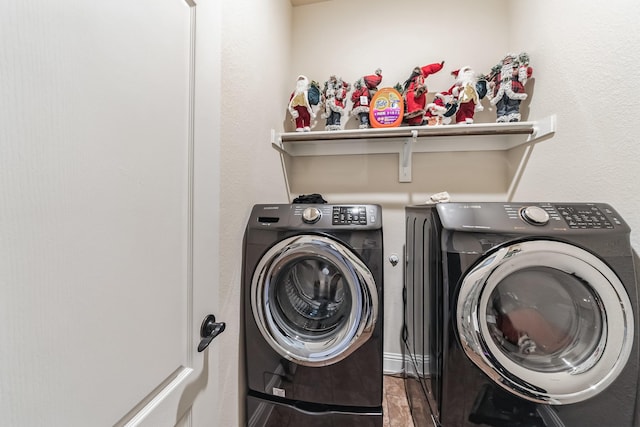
pixel 348 215
pixel 583 216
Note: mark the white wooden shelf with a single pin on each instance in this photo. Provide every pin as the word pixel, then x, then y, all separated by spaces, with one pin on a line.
pixel 406 140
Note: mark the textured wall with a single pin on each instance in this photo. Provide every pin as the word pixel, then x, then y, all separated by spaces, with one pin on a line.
pixel 255 60
pixel 585 61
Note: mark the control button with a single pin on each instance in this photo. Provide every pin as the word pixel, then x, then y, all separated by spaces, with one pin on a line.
pixel 311 215
pixel 535 215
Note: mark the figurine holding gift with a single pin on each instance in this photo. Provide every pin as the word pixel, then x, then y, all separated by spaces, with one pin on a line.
pixel 465 92
pixel 439 111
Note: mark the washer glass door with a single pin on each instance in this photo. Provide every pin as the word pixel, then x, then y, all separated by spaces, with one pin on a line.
pixel 313 299
pixel 546 320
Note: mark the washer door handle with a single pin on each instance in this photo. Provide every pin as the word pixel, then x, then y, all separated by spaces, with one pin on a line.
pixel 209 330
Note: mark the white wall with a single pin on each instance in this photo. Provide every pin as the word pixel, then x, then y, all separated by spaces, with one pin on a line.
pixel 353 38
pixel 584 71
pixel 255 63
pixel 586 64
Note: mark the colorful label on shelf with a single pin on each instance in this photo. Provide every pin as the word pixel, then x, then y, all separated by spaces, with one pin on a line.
pixel 387 108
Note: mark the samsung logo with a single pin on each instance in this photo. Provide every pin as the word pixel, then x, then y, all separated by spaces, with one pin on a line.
pixel 266 208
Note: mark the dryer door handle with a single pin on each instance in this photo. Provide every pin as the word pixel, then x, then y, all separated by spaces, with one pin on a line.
pixel 209 330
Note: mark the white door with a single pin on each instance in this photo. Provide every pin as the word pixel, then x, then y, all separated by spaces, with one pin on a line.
pixel 108 211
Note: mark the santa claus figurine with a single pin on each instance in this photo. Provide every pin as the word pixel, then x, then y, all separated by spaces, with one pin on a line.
pixel 439 111
pixel 300 107
pixel 415 93
pixel 361 98
pixel 465 94
pixel 506 82
pixel 334 95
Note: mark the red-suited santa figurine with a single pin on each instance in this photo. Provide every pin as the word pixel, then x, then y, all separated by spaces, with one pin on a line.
pixel 361 98
pixel 415 93
pixel 335 95
pixel 299 106
pixel 437 111
pixel 506 82
pixel 464 92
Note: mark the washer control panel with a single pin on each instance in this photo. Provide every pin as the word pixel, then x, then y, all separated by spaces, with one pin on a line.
pixel 349 215
pixel 319 216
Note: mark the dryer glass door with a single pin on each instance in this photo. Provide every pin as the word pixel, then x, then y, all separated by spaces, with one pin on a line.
pixel 314 300
pixel 546 320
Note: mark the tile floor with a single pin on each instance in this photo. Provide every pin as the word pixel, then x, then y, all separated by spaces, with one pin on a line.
pixel 395 407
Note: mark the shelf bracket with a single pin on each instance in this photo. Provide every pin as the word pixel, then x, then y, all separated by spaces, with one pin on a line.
pixel 543 128
pixel 404 167
pixel 277 144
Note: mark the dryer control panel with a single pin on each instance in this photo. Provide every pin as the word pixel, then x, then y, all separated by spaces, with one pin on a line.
pixel 588 216
pixel 535 218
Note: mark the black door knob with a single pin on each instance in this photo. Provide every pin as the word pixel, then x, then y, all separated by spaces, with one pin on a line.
pixel 209 330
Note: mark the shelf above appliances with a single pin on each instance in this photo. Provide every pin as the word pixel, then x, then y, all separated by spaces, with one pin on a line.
pixel 406 140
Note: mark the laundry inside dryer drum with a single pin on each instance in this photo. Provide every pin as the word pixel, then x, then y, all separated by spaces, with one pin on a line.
pixel 544 319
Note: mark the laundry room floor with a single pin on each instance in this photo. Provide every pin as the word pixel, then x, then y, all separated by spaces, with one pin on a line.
pixel 395 407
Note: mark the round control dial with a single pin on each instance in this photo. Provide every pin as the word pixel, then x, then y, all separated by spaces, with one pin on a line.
pixel 311 215
pixel 535 215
